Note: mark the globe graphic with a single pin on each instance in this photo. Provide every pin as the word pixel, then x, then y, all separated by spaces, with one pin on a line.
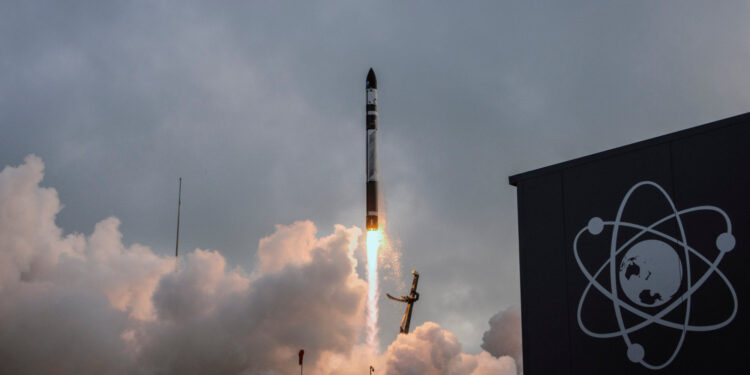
pixel 650 273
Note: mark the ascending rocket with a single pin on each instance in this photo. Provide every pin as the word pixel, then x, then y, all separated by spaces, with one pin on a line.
pixel 371 122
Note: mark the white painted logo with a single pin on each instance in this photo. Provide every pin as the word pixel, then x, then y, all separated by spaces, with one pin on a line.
pixel 651 274
pixel 372 96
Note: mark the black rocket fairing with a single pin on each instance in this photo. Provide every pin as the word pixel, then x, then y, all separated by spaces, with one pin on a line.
pixel 371 122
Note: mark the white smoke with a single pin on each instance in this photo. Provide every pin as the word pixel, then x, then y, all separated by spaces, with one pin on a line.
pixel 66 302
pixel 75 303
pixel 428 350
pixel 215 320
pixel 431 350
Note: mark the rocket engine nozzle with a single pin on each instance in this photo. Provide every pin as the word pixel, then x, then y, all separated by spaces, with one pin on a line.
pixel 372 223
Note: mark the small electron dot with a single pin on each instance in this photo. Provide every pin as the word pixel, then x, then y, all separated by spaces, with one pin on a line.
pixel 596 225
pixel 725 242
pixel 635 352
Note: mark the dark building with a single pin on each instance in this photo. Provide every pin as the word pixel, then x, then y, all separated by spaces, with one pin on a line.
pixel 636 260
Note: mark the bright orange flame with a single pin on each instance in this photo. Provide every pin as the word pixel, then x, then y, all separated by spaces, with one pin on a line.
pixel 374 238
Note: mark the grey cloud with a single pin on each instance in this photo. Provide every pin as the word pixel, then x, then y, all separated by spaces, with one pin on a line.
pixel 258 105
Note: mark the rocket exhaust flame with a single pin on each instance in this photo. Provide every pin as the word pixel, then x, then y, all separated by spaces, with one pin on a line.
pixel 373 244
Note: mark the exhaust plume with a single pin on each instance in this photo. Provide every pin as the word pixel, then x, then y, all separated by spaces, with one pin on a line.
pixel 373 244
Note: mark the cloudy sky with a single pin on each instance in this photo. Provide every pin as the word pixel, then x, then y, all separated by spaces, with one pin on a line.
pixel 259 107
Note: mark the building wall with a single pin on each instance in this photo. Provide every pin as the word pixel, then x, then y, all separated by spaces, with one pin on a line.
pixel 679 330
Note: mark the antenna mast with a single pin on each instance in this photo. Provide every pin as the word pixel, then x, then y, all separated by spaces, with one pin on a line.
pixel 179 203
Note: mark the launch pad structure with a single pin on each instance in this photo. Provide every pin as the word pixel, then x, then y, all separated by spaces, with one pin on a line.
pixel 409 300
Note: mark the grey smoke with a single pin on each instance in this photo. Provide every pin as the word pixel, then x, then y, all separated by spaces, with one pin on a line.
pixel 504 336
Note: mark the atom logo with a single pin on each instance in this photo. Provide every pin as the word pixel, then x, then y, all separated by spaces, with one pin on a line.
pixel 650 273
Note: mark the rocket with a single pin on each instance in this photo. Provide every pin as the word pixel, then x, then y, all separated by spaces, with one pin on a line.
pixel 371 125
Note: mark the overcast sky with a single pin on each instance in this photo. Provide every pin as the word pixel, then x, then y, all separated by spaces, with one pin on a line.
pixel 259 107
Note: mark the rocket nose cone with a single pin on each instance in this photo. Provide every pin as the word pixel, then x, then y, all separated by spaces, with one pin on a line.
pixel 372 82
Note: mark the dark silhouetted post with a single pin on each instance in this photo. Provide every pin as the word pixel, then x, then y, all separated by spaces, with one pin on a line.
pixel 179 203
pixel 301 354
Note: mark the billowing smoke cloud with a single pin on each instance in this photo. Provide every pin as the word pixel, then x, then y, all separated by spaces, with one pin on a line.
pixel 428 350
pixel 504 336
pixel 257 323
pixel 80 303
pixel 66 302
pixel 431 350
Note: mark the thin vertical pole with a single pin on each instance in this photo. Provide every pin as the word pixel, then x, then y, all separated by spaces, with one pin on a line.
pixel 179 203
